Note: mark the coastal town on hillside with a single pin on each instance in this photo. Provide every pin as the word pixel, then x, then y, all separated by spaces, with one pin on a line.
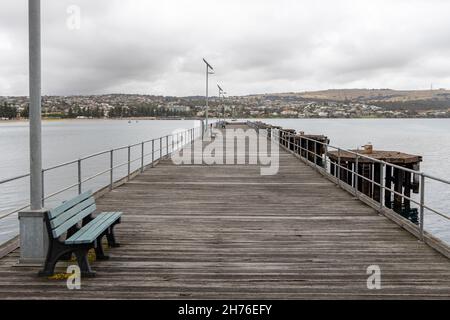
pixel 252 106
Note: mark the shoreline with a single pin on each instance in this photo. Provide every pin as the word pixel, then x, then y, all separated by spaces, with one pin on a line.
pixel 94 119
pixel 181 119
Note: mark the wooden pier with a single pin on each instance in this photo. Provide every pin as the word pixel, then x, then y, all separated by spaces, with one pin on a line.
pixel 225 231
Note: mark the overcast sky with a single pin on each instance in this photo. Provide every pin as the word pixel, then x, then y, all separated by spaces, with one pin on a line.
pixel 255 46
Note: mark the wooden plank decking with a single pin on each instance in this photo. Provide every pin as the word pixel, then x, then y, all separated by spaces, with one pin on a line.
pixel 225 231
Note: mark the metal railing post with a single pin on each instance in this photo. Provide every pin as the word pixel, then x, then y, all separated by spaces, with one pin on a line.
pixel 295 146
pixel 79 176
pixel 422 204
pixel 307 150
pixel 173 143
pixel 129 163
pixel 338 167
pixel 372 170
pixel 153 152
pixel 42 188
pixel 356 174
pixel 315 154
pixel 382 185
pixel 111 173
pixel 325 163
pixel 160 148
pixel 142 157
pixel 167 145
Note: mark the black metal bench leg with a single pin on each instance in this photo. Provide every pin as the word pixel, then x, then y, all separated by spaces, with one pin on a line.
pixel 112 242
pixel 83 263
pixel 54 254
pixel 66 257
pixel 49 266
pixel 49 269
pixel 99 253
pixel 70 232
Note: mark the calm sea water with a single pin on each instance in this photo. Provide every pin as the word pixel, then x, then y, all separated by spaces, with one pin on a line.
pixel 68 140
pixel 65 141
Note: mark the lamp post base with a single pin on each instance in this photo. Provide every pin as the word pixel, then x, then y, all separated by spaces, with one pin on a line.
pixel 33 238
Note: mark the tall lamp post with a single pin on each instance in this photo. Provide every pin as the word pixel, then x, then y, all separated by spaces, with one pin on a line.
pixel 209 70
pixel 33 237
pixel 222 93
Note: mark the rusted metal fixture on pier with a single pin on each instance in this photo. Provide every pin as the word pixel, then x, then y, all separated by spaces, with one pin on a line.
pixel 270 128
pixel 401 181
pixel 287 138
pixel 257 125
pixel 311 146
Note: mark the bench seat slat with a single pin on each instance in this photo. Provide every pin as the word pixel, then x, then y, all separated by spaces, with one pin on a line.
pixel 86 228
pixel 57 232
pixel 69 204
pixel 84 233
pixel 94 232
pixel 56 222
pixel 93 229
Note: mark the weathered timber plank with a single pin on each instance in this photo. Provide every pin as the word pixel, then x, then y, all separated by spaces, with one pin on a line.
pixel 226 232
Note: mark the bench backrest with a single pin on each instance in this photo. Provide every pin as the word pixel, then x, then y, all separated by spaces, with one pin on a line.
pixel 70 212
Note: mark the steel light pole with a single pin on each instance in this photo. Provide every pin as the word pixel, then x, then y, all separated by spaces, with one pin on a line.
pixel 35 104
pixel 223 103
pixel 222 93
pixel 209 70
pixel 33 238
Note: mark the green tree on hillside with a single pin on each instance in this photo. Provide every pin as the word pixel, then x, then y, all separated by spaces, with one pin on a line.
pixel 25 113
pixel 8 112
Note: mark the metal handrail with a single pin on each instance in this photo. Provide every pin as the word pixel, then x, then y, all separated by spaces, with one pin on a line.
pixel 275 134
pixel 14 178
pixel 178 139
pixel 435 178
pixel 95 155
pixel 369 158
pixel 60 165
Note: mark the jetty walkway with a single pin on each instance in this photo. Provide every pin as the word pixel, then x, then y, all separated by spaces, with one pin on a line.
pixel 226 231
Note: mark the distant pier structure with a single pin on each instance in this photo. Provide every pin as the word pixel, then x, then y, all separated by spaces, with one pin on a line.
pixel 308 146
pixel 360 169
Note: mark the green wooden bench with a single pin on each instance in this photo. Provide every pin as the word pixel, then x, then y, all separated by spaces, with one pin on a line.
pixel 72 229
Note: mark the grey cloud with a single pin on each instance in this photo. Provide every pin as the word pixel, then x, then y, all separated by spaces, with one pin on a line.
pixel 255 46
